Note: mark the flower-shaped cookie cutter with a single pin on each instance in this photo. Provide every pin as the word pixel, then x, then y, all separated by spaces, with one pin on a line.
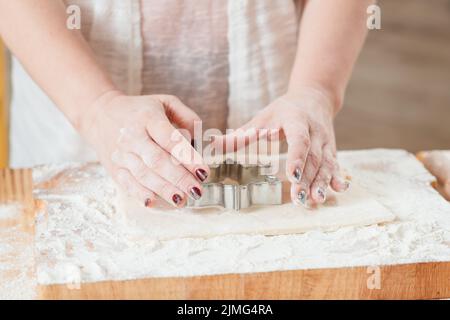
pixel 236 186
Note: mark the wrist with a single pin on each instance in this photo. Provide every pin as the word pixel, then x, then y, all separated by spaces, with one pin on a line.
pixel 328 98
pixel 92 113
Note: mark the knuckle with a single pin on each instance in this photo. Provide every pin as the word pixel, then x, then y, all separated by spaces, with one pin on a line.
pixel 302 139
pixel 314 124
pixel 314 159
pixel 124 137
pixel 128 136
pixel 183 179
pixel 320 128
pixel 166 144
pixel 169 98
pixel 324 176
pixel 171 142
pixel 306 141
pixel 166 190
pixel 336 167
pixel 141 173
pixel 156 160
pixel 296 112
pixel 329 163
pixel 324 136
pixel 124 181
pixel 144 116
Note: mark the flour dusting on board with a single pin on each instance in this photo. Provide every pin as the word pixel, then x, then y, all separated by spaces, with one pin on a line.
pixel 80 239
pixel 16 256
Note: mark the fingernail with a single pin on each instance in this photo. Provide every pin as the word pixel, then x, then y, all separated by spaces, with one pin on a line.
pixel 148 203
pixel 302 197
pixel 195 192
pixel 201 174
pixel 345 185
pixel 297 174
pixel 177 199
pixel 322 194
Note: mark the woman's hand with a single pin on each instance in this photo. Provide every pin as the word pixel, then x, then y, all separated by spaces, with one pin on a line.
pixel 138 144
pixel 305 120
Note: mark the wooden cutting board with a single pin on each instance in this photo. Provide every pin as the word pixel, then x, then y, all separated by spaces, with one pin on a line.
pixel 409 281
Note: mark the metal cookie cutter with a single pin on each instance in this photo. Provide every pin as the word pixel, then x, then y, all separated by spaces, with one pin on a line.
pixel 236 186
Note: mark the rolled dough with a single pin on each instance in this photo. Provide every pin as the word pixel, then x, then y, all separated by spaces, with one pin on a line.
pixel 438 163
pixel 356 207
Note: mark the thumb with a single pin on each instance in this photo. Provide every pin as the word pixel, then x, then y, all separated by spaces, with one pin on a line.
pixel 180 114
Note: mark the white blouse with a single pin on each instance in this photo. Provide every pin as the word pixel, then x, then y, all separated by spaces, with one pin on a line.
pixel 224 59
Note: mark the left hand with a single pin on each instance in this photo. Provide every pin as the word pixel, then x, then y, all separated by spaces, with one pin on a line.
pixel 305 119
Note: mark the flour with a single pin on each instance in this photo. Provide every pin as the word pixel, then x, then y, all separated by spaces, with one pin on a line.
pixel 10 211
pixel 80 239
pixel 16 257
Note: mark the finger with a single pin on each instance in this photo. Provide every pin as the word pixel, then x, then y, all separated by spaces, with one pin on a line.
pixel 338 183
pixel 299 194
pixel 171 140
pixel 150 180
pixel 322 180
pixel 313 162
pixel 180 114
pixel 160 162
pixel 133 188
pixel 299 144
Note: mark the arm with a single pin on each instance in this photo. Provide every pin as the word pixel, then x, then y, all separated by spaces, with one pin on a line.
pixel 134 136
pixel 57 58
pixel 331 36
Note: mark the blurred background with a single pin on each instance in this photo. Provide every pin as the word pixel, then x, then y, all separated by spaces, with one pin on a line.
pixel 399 95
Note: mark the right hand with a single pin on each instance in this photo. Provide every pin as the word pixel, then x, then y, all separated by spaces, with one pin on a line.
pixel 142 150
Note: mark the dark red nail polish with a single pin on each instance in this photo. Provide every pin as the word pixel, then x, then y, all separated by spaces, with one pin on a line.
pixel 297 175
pixel 148 203
pixel 201 174
pixel 195 192
pixel 177 199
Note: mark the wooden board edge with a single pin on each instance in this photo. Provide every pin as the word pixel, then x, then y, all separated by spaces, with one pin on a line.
pixel 4 106
pixel 406 281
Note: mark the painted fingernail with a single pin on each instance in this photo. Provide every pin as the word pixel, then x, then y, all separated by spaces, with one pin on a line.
pixel 297 174
pixel 322 195
pixel 302 197
pixel 148 203
pixel 201 174
pixel 177 199
pixel 346 185
pixel 195 192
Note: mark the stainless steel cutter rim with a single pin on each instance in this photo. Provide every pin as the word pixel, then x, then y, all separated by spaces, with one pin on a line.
pixel 253 187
